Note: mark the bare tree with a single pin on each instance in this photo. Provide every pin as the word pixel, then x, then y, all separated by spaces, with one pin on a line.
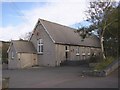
pixel 26 36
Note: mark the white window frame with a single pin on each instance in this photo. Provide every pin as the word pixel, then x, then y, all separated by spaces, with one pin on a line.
pixel 67 49
pixel 40 46
pixel 83 54
pixel 88 53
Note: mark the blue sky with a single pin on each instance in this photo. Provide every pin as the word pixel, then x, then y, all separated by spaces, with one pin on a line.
pixel 11 11
pixel 19 18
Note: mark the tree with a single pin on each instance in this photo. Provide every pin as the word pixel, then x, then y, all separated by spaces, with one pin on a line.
pixel 83 32
pixel 97 14
pixel 26 36
pixel 111 45
pixel 5 46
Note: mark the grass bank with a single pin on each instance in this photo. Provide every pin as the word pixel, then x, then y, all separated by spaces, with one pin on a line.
pixel 104 63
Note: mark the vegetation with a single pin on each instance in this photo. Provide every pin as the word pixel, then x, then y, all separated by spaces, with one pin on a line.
pixel 99 15
pixel 111 36
pixel 4 52
pixel 104 18
pixel 104 63
pixel 26 36
pixel 94 59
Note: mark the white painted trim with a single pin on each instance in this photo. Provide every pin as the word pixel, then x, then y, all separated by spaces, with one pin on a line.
pixel 77 54
pixel 39 46
pixel 9 48
pixel 67 50
pixel 12 54
pixel 33 30
pixel 88 54
pixel 47 32
pixel 94 53
pixel 83 54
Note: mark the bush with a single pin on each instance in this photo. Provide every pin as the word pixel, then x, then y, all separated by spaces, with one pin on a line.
pixel 5 60
pixel 104 63
pixel 94 59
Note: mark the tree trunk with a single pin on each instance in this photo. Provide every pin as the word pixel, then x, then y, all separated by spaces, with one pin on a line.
pixel 102 47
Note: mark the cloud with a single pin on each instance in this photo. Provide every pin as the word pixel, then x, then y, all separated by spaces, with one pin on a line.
pixel 65 13
pixel 13 32
pixel 41 0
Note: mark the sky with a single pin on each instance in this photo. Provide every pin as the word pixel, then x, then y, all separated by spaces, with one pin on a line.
pixel 20 17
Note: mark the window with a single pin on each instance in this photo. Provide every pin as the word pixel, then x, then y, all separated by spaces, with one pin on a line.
pixel 12 55
pixel 94 53
pixel 67 48
pixel 83 55
pixel 83 51
pixel 88 51
pixel 18 56
pixel 77 51
pixel 40 46
pixel 66 51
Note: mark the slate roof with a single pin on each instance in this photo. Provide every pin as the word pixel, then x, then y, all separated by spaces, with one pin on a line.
pixel 23 46
pixel 65 35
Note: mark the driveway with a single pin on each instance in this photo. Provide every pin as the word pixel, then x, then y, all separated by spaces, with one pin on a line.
pixel 58 77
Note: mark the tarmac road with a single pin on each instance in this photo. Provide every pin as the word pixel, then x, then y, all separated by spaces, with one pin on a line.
pixel 58 77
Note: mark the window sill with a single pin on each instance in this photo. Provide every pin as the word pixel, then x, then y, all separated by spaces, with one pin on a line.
pixel 83 54
pixel 77 54
pixel 40 53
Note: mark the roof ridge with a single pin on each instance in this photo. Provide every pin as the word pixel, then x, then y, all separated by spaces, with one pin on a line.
pixel 23 46
pixel 67 34
pixel 57 23
pixel 20 40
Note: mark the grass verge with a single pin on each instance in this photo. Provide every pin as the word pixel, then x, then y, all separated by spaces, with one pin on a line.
pixel 104 63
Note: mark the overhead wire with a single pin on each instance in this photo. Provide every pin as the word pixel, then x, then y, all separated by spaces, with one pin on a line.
pixel 19 13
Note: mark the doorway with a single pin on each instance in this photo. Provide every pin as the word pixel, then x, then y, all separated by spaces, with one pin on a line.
pixel 67 53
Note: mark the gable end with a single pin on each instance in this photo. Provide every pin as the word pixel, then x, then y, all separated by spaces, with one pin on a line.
pixel 47 31
pixel 39 22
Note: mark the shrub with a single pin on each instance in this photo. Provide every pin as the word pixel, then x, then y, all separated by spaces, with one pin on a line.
pixel 5 60
pixel 94 59
pixel 104 63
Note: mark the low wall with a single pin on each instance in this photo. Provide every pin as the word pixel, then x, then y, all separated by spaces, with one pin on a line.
pixel 109 69
pixel 73 63
pixel 112 67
